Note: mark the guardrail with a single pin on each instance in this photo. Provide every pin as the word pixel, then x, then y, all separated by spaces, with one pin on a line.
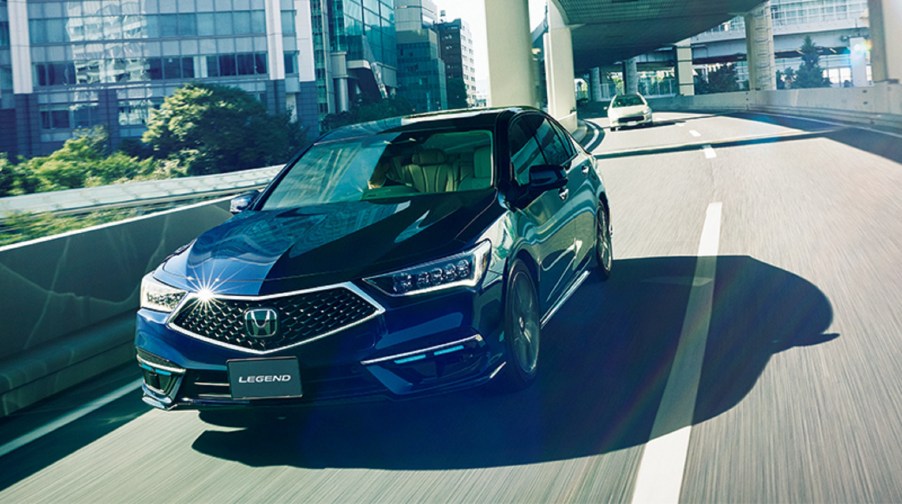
pixel 152 193
pixel 878 105
pixel 69 300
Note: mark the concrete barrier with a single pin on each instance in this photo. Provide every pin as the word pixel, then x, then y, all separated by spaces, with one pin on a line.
pixel 878 105
pixel 69 301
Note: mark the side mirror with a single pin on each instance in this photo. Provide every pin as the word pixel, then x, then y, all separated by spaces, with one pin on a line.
pixel 546 177
pixel 241 202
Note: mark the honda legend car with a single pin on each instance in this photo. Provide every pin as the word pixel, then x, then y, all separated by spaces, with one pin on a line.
pixel 629 110
pixel 396 259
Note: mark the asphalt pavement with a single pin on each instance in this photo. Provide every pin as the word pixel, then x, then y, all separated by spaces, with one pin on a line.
pixel 746 349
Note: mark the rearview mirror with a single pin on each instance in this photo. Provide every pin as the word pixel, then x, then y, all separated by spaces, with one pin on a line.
pixel 242 202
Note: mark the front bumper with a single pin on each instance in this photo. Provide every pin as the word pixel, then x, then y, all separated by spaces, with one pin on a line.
pixel 418 346
pixel 632 120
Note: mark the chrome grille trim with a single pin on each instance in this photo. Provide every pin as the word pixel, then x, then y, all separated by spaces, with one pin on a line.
pixel 191 296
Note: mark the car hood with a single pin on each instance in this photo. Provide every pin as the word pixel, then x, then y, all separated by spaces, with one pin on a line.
pixel 261 252
pixel 625 111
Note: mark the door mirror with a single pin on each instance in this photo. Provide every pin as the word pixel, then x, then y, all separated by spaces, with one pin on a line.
pixel 546 177
pixel 241 202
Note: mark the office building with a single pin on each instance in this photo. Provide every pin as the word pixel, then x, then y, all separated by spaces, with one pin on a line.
pixel 71 64
pixel 460 67
pixel 421 71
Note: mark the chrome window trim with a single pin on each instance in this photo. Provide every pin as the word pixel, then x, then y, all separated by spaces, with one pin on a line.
pixel 345 285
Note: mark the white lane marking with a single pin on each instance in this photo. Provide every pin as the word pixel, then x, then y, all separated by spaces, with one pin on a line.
pixel 70 417
pixel 694 133
pixel 594 129
pixel 680 125
pixel 833 123
pixel 660 476
pixel 709 151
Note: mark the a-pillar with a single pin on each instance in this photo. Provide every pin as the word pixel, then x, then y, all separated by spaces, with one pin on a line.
pixel 559 69
pixel 340 77
pixel 595 88
pixel 511 73
pixel 682 52
pixel 885 20
pixel 759 41
pixel 630 76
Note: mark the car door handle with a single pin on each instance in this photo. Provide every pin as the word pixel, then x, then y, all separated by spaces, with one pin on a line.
pixel 564 193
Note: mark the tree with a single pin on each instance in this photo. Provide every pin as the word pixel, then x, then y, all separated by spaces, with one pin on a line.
pixel 214 129
pixel 457 94
pixel 720 80
pixel 810 73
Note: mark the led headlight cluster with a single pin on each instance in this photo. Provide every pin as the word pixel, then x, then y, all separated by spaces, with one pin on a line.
pixel 158 296
pixel 465 269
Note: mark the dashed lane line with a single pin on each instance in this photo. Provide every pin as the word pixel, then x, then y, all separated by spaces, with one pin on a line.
pixel 694 133
pixel 660 476
pixel 709 151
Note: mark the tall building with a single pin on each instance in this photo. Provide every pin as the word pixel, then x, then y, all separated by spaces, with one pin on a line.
pixel 80 63
pixel 460 68
pixel 362 45
pixel 421 71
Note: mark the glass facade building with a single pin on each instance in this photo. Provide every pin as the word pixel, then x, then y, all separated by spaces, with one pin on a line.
pixel 80 63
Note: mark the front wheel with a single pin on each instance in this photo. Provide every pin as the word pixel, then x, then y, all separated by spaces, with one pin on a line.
pixel 604 250
pixel 522 329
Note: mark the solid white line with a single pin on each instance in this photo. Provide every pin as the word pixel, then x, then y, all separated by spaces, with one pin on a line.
pixel 660 476
pixel 709 151
pixel 833 123
pixel 70 417
pixel 695 133
pixel 679 125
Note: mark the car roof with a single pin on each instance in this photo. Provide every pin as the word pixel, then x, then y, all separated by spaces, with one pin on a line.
pixel 461 119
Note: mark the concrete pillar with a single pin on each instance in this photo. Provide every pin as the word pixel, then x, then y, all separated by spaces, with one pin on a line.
pixel 340 77
pixel 511 73
pixel 595 88
pixel 630 76
pixel 682 53
pixel 275 48
pixel 858 55
pixel 759 40
pixel 559 71
pixel 885 20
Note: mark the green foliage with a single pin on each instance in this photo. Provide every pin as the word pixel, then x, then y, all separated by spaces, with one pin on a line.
pixel 19 227
pixel 81 161
pixel 720 80
pixel 364 112
pixel 810 73
pixel 457 94
pixel 215 129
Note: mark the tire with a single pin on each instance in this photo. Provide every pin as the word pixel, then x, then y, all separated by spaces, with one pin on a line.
pixel 522 331
pixel 604 250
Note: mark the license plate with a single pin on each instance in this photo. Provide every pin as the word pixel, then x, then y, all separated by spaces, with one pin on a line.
pixel 265 378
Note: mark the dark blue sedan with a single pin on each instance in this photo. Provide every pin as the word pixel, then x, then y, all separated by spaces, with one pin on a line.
pixel 396 258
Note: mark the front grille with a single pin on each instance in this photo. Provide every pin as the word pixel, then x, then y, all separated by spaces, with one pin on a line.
pixel 632 118
pixel 301 317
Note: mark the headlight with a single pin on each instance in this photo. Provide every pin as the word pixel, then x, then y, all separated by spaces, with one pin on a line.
pixel 158 296
pixel 465 269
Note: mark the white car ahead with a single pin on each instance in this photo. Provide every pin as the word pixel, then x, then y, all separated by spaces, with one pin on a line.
pixel 629 110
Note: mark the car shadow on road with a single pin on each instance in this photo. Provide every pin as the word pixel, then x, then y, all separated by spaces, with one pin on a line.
pixel 606 357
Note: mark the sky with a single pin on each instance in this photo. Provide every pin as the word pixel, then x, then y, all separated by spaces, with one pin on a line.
pixel 473 12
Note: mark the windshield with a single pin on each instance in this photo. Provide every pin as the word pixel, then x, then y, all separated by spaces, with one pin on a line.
pixel 627 101
pixel 386 166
